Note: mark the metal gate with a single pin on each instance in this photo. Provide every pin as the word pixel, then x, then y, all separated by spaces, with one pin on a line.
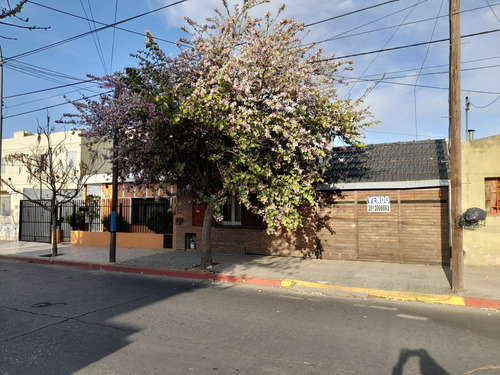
pixel 34 222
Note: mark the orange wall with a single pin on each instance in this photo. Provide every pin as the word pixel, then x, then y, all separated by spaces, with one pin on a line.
pixel 125 240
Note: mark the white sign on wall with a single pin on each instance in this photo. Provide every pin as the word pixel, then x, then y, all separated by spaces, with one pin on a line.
pixel 380 203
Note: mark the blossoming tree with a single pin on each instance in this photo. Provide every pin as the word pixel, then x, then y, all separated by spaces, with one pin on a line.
pixel 244 108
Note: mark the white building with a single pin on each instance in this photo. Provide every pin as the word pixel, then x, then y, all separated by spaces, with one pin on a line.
pixel 23 141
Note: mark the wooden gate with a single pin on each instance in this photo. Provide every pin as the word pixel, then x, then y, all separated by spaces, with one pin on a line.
pixel 414 229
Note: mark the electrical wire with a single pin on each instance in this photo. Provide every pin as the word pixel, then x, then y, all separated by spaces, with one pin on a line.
pixel 346 35
pixel 76 37
pixel 492 11
pixel 420 71
pixel 405 46
pixel 349 13
pixel 437 66
pixel 95 36
pixel 368 23
pixel 78 90
pixel 484 106
pixel 387 42
pixel 114 32
pixel 100 23
pixel 55 105
pixel 378 81
pixel 47 89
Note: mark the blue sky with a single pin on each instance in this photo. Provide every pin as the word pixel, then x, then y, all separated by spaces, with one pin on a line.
pixel 410 100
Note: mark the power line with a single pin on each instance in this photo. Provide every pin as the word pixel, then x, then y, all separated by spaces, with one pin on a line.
pixel 95 36
pixel 492 11
pixel 349 13
pixel 114 32
pixel 100 23
pixel 388 40
pixel 381 81
pixel 420 71
pixel 369 23
pixel 343 35
pixel 28 53
pixel 437 66
pixel 55 105
pixel 405 46
pixel 484 106
pixel 47 89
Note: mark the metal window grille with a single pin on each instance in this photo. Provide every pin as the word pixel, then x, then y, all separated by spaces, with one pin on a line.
pixel 492 195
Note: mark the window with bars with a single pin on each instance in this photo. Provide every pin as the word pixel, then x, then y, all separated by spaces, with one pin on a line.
pixel 142 208
pixel 492 195
pixel 231 212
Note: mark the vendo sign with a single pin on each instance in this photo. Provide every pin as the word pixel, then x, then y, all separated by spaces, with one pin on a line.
pixel 380 203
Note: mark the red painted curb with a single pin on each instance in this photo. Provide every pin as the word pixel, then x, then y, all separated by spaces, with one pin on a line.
pixel 482 302
pixel 151 271
pixel 468 301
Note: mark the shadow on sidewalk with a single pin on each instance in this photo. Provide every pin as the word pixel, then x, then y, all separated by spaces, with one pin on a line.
pixel 447 272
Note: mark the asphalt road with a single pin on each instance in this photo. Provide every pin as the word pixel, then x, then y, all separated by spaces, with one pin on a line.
pixel 57 320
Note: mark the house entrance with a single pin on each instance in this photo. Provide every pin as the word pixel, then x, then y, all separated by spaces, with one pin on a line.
pixel 34 222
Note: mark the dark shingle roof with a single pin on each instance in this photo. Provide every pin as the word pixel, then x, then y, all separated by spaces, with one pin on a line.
pixel 388 162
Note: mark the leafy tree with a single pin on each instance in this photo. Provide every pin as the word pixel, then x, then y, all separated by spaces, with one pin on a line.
pixel 46 169
pixel 246 110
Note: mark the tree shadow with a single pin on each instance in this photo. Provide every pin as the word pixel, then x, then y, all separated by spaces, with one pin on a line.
pixel 61 332
pixel 427 364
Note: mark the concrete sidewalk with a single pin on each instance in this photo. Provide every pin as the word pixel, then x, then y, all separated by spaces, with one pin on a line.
pixel 411 282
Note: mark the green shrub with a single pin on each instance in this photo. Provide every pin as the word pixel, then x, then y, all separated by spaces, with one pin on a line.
pixel 160 222
pixel 76 220
pixel 121 224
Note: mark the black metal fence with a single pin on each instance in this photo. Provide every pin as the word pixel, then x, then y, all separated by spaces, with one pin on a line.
pixel 135 215
pixel 34 222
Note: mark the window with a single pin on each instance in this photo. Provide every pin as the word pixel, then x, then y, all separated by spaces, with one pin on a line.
pixel 71 159
pixel 231 212
pixel 492 195
pixel 5 205
pixel 142 208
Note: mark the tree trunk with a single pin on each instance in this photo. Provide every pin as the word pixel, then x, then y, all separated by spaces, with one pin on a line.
pixel 53 214
pixel 206 239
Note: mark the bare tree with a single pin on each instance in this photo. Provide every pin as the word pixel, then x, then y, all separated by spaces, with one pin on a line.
pixel 48 170
pixel 13 11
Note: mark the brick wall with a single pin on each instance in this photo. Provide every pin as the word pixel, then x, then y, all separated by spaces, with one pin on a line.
pixel 415 230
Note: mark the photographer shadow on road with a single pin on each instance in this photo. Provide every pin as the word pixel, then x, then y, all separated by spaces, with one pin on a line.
pixel 427 365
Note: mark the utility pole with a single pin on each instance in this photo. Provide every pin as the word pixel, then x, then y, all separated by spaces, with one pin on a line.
pixel 114 204
pixel 467 107
pixel 455 149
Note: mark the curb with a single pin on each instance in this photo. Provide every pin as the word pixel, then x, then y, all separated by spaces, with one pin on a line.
pixel 285 283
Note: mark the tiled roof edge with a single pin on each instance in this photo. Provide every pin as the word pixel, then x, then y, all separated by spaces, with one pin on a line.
pixel 384 185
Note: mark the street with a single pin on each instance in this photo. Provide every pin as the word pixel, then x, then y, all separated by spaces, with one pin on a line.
pixel 59 320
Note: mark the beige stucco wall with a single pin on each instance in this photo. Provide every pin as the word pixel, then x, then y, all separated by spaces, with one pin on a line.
pixel 24 142
pixel 480 160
